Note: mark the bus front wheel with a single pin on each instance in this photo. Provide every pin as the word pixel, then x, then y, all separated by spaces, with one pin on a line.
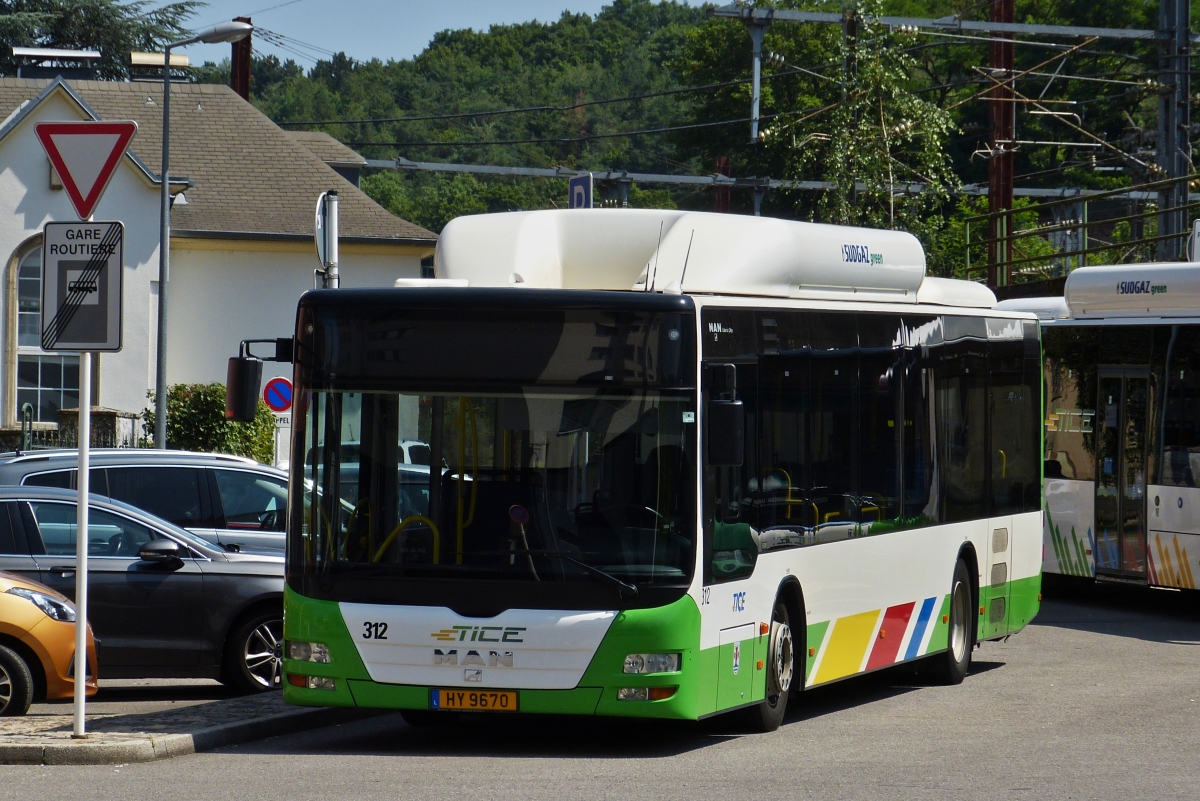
pixel 781 668
pixel 951 666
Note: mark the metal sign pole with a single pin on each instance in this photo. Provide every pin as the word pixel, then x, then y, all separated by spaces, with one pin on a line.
pixel 81 543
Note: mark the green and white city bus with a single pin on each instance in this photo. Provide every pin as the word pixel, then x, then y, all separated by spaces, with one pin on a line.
pixel 680 464
pixel 1122 387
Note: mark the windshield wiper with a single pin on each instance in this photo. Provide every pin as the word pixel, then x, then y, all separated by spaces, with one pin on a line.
pixel 625 588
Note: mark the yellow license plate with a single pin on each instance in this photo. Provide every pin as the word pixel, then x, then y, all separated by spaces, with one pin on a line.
pixel 474 700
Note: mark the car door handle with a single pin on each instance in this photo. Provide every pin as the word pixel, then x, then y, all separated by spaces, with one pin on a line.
pixel 63 570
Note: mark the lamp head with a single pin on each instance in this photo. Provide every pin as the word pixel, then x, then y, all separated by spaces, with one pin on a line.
pixel 231 31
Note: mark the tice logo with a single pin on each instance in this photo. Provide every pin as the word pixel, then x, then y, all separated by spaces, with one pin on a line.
pixel 1140 288
pixel 1071 421
pixel 479 634
pixel 860 254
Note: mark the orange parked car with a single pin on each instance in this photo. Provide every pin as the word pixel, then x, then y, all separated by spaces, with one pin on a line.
pixel 37 645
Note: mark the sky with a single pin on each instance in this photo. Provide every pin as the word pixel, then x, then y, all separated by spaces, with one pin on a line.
pixel 365 29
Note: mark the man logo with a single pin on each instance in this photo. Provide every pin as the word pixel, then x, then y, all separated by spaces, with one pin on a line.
pixel 494 658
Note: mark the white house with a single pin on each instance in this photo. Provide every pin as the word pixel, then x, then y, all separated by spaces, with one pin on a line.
pixel 241 236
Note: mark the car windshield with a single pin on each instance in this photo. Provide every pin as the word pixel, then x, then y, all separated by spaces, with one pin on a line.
pixel 539 486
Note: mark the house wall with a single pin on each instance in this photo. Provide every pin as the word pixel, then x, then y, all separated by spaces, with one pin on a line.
pixel 27 203
pixel 224 291
pixel 221 291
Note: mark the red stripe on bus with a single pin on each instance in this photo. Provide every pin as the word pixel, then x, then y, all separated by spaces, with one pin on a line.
pixel 891 632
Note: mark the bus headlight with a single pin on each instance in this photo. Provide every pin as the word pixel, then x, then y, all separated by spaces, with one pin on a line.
pixel 308 651
pixel 652 663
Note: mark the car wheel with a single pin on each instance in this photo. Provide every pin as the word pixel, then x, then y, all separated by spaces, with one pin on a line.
pixel 16 683
pixel 254 654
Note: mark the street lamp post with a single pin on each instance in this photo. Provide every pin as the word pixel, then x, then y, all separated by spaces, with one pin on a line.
pixel 221 32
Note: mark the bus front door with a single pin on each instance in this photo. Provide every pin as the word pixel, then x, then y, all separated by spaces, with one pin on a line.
pixel 1121 473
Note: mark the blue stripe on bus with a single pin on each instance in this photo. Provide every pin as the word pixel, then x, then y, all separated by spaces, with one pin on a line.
pixel 918 634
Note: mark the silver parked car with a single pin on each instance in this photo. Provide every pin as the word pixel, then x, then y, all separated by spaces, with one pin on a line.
pixel 226 500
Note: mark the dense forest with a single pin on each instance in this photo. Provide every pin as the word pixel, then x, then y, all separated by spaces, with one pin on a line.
pixel 662 87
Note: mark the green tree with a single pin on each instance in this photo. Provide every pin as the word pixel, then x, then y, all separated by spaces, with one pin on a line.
pixel 196 422
pixel 879 137
pixel 113 28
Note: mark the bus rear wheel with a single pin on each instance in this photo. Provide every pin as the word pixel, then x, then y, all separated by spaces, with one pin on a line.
pixel 781 669
pixel 952 665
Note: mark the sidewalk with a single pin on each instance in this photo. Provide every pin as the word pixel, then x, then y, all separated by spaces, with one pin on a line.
pixel 45 739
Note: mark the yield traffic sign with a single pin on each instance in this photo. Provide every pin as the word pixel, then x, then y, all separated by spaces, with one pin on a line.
pixel 85 155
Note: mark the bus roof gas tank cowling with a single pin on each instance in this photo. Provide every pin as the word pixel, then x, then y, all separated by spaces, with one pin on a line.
pixel 684 251
pixel 1134 290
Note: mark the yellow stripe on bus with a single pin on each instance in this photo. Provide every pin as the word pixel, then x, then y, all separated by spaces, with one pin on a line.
pixel 847 646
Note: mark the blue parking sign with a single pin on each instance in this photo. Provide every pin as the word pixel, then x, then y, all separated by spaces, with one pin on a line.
pixel 580 189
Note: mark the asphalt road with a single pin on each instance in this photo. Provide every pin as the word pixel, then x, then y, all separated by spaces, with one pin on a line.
pixel 1098 699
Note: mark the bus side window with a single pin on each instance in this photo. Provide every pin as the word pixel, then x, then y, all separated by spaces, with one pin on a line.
pixel 1179 459
pixel 731 497
pixel 961 383
pixel 880 420
pixel 921 469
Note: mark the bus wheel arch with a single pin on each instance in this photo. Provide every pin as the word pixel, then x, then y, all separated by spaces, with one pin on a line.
pixel 783 660
pixel 791 595
pixel 952 665
pixel 967 555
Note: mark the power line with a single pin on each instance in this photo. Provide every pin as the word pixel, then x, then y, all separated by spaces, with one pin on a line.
pixel 531 109
pixel 295 42
pixel 547 108
pixel 272 8
pixel 700 182
pixel 574 139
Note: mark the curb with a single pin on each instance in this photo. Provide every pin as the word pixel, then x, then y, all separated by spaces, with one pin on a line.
pixel 150 747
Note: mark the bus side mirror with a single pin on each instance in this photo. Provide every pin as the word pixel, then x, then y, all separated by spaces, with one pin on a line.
pixel 241 388
pixel 726 433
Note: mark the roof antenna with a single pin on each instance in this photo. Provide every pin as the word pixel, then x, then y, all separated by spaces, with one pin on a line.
pixel 650 286
pixel 676 287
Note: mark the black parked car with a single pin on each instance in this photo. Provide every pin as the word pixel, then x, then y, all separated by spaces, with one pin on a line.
pixel 227 500
pixel 162 602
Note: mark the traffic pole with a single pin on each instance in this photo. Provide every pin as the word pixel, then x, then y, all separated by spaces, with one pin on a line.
pixel 81 544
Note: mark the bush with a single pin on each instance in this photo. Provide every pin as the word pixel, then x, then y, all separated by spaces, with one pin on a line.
pixel 196 422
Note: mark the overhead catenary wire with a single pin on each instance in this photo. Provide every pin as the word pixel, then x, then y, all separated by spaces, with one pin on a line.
pixel 584 137
pixel 533 109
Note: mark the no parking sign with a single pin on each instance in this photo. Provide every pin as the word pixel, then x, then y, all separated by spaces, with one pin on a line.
pixel 278 394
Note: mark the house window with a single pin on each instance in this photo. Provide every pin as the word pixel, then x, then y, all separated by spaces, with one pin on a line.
pixel 48 382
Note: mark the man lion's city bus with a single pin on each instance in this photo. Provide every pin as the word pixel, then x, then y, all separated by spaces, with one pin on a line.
pixel 679 464
pixel 1122 388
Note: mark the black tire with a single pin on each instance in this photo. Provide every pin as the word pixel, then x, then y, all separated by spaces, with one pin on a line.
pixel 951 666
pixel 254 654
pixel 16 683
pixel 781 673
pixel 428 718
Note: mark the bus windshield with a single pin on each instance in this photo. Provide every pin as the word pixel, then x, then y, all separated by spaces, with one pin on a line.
pixel 544 487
